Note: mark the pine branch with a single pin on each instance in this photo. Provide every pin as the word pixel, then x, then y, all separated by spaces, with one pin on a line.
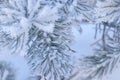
pixel 47 50
pixel 106 57
pixel 108 11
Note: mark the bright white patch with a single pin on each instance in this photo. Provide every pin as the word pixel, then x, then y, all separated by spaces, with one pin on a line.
pixel 48 14
pixel 24 22
pixel 45 27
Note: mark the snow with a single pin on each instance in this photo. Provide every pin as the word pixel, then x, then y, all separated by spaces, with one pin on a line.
pixel 114 75
pixel 16 23
pixel 83 40
pixel 82 44
pixel 17 63
pixel 45 27
pixel 107 12
pixel 19 23
pixel 25 22
pixel 48 14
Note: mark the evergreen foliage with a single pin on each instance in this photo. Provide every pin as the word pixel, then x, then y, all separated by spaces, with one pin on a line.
pixel 42 30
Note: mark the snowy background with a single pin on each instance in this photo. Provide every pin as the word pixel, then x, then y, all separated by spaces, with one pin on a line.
pixel 37 45
pixel 83 46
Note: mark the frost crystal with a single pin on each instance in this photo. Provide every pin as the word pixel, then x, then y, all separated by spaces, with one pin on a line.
pixel 18 16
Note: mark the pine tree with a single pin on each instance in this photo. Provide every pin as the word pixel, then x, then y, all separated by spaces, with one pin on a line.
pixel 25 26
pixel 41 29
pixel 106 56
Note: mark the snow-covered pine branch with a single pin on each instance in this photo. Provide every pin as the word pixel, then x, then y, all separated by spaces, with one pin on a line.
pixel 18 16
pixel 107 55
pixel 49 54
pixel 44 26
pixel 108 11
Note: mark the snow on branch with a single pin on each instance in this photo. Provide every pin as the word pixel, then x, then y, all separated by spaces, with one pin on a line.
pixel 108 11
